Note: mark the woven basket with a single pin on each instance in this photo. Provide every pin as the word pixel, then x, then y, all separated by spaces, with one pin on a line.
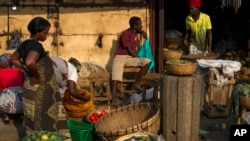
pixel 245 101
pixel 142 117
pixel 178 68
pixel 127 137
pixel 200 56
pixel 172 54
pixel 174 43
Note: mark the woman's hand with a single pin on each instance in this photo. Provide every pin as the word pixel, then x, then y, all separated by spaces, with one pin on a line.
pixel 35 81
pixel 85 98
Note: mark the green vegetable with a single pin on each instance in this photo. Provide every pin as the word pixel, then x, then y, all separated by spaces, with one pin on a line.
pixel 180 62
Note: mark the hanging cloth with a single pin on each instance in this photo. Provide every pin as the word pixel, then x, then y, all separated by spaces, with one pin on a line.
pixel 145 52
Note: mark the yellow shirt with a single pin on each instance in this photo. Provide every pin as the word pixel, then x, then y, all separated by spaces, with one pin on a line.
pixel 198 30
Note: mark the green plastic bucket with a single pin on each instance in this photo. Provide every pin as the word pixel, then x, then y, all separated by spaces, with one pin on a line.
pixel 80 131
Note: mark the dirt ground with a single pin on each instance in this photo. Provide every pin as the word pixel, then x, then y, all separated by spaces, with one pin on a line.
pixel 217 128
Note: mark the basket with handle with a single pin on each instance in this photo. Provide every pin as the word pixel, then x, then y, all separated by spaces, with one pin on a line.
pixel 142 117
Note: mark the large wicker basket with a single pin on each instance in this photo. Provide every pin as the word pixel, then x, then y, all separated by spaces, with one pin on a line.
pixel 180 68
pixel 172 54
pixel 142 117
pixel 245 101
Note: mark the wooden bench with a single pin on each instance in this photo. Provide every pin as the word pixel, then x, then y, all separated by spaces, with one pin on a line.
pixel 151 80
pixel 129 76
pixel 103 80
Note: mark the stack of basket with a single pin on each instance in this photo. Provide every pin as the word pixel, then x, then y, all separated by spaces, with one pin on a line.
pixel 173 49
pixel 173 52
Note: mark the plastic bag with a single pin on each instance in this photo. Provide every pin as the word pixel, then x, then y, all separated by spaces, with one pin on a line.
pixel 11 100
pixel 145 52
pixel 136 98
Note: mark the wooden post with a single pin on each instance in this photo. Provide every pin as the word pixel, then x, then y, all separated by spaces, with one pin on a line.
pixel 180 105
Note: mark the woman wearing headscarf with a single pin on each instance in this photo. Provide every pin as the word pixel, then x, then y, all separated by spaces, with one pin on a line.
pixel 77 102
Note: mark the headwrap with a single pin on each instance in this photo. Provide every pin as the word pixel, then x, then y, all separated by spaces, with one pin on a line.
pixel 76 63
pixel 196 3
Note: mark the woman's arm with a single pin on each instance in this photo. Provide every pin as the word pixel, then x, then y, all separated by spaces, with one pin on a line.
pixel 74 92
pixel 186 38
pixel 15 59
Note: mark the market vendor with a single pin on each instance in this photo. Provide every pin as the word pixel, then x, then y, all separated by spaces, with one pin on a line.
pixel 77 102
pixel 198 36
pixel 43 108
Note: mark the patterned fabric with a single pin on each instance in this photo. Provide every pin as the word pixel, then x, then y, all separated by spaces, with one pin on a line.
pixel 11 100
pixel 76 108
pixel 193 49
pixel 198 30
pixel 6 59
pixel 43 108
pixel 64 71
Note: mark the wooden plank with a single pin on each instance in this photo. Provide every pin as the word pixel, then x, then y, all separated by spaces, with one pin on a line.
pixel 169 107
pixel 196 96
pixel 180 99
pixel 180 105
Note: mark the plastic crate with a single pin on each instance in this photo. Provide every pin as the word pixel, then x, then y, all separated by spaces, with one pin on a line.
pixel 80 131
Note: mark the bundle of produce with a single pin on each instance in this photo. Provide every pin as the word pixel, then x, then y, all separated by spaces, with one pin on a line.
pixel 43 136
pixel 180 67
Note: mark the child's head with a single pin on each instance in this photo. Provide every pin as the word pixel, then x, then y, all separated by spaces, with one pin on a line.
pixel 39 28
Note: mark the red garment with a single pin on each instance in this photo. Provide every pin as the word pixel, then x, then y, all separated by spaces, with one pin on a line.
pixel 127 39
pixel 10 77
pixel 196 3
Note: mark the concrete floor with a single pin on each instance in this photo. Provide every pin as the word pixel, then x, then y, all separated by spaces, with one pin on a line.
pixel 217 128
